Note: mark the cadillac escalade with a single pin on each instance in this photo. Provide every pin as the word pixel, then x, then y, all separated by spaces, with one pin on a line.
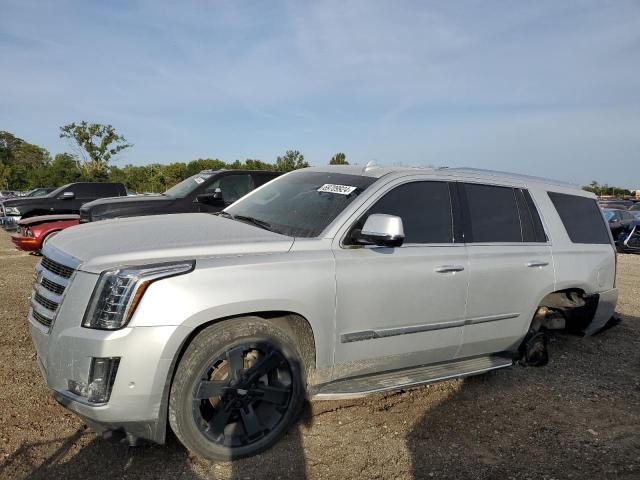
pixel 326 283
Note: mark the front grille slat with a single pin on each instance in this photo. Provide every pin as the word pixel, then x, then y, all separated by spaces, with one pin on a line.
pixel 56 268
pixel 52 281
pixel 53 287
pixel 41 318
pixel 45 302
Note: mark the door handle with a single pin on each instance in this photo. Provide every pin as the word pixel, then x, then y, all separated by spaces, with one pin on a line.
pixel 449 268
pixel 535 263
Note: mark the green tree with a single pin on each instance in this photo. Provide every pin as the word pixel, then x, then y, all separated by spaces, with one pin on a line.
pixel 62 170
pixel 339 159
pixel 95 144
pixel 21 163
pixel 196 166
pixel 291 160
pixel 253 164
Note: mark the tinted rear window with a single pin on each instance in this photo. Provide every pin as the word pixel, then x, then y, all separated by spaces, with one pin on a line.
pixel 582 218
pixel 493 213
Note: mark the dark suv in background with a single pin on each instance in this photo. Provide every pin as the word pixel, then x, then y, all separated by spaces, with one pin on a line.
pixel 64 200
pixel 207 191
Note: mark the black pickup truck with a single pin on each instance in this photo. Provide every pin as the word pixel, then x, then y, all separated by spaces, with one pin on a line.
pixel 66 199
pixel 207 191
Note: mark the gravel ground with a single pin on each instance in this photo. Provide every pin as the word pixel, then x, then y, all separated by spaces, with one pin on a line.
pixel 578 417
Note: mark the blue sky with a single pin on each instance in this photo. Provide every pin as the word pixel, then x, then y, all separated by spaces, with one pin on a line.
pixel 545 88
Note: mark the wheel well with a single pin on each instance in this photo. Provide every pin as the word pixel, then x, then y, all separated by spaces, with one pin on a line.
pixel 571 309
pixel 294 324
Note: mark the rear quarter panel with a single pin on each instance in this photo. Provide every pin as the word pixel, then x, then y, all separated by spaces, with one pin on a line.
pixel 589 267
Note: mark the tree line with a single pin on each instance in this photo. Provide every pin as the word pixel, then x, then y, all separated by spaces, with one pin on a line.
pixel 24 166
pixel 94 146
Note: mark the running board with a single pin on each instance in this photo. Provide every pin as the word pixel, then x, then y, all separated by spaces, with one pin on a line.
pixel 399 379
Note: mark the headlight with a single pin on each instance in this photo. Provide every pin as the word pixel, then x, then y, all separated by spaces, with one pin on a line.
pixel 12 211
pixel 118 293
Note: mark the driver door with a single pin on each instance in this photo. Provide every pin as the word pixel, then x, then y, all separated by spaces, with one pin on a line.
pixel 405 306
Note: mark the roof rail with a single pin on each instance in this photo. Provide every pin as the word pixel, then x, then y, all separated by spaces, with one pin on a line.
pixel 498 173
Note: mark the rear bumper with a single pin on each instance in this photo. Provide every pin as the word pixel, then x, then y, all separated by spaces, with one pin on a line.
pixel 28 244
pixel 604 311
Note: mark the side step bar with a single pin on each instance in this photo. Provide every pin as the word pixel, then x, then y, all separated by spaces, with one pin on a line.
pixel 356 387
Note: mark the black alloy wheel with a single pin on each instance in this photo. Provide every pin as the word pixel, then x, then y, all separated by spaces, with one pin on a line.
pixel 237 389
pixel 243 395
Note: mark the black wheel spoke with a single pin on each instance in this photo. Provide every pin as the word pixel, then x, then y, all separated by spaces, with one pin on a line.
pixel 220 419
pixel 275 395
pixel 249 402
pixel 251 422
pixel 235 359
pixel 271 361
pixel 208 389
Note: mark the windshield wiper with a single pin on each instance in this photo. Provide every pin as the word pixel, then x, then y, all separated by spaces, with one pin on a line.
pixel 253 221
pixel 224 214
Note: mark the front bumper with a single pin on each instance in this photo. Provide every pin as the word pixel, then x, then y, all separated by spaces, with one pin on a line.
pixel 27 244
pixel 136 410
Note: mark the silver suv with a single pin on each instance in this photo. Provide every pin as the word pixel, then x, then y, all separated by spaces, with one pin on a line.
pixel 326 283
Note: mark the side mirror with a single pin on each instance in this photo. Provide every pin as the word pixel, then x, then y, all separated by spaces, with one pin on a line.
pixel 67 196
pixel 382 230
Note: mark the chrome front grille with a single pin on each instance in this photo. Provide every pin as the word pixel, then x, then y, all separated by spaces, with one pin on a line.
pixel 46 321
pixel 52 286
pixel 52 279
pixel 45 302
pixel 56 268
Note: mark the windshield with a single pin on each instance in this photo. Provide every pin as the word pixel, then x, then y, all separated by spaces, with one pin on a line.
pixel 187 186
pixel 38 192
pixel 57 191
pixel 300 204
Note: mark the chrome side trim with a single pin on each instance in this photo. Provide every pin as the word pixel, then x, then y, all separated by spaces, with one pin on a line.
pixel 491 318
pixel 394 331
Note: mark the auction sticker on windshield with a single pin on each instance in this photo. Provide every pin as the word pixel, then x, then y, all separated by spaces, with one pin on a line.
pixel 340 189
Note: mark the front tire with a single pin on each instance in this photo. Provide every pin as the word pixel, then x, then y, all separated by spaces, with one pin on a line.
pixel 237 390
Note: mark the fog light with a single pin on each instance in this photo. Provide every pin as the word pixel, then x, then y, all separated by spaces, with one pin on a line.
pixel 102 374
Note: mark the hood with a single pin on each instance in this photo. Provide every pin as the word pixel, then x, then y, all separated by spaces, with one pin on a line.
pixel 47 218
pixel 159 238
pixel 20 201
pixel 114 206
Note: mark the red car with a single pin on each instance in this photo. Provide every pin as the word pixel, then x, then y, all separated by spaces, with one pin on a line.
pixel 34 232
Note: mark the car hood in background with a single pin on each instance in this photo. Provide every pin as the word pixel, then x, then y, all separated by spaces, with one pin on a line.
pixel 18 202
pixel 115 206
pixel 160 238
pixel 47 218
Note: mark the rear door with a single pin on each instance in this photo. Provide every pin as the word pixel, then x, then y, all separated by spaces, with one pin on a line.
pixel 404 306
pixel 511 266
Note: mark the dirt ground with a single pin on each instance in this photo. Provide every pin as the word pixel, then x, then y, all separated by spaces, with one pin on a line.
pixel 578 417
